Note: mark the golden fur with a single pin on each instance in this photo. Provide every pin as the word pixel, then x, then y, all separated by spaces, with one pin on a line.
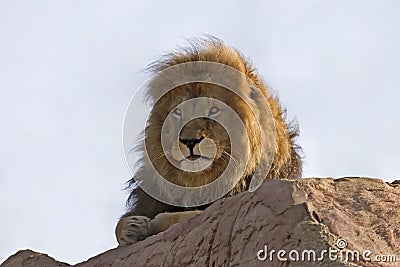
pixel 286 163
pixel 214 50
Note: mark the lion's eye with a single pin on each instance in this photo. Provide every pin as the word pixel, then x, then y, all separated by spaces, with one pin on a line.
pixel 177 112
pixel 214 111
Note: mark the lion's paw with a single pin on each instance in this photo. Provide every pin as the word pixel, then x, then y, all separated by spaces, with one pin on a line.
pixel 131 229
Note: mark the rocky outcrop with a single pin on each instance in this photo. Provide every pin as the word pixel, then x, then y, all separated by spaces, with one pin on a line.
pixel 29 258
pixel 308 222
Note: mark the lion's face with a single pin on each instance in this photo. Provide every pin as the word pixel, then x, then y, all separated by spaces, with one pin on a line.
pixel 187 139
pixel 201 140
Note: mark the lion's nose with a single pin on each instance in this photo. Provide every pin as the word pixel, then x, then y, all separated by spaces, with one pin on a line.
pixel 191 143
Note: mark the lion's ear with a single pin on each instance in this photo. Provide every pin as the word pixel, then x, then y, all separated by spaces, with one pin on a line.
pixel 253 94
pixel 257 96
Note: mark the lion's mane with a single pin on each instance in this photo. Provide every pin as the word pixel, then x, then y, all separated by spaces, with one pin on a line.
pixel 287 162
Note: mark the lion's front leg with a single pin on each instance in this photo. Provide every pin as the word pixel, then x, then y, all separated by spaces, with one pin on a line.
pixel 164 220
pixel 133 228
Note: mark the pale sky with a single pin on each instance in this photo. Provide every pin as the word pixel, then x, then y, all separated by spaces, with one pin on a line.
pixel 68 70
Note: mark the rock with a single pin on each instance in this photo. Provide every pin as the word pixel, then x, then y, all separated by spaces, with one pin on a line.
pixel 354 220
pixel 29 258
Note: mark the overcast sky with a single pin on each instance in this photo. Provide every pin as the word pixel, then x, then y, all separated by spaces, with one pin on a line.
pixel 69 68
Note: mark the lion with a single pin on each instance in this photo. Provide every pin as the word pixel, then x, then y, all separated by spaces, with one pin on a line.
pixel 203 142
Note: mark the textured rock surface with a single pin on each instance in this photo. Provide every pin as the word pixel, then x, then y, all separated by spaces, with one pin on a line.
pixel 29 258
pixel 308 214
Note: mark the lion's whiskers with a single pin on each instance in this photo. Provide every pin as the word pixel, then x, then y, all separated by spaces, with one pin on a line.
pixel 159 156
pixel 227 157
